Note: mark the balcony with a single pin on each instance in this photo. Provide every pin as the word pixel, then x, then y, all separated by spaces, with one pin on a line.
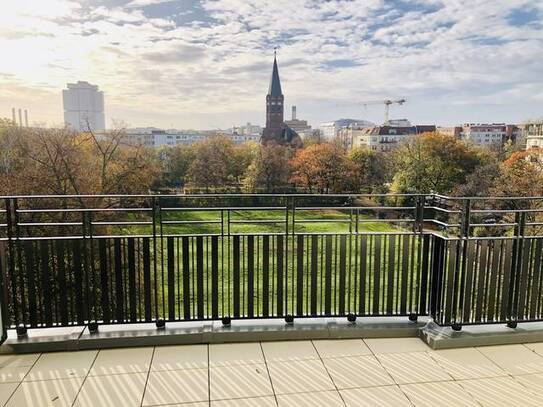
pixel 352 372
pixel 86 273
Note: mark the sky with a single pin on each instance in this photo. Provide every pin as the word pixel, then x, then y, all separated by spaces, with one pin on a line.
pixel 206 64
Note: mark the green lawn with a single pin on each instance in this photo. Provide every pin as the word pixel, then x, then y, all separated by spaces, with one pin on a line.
pixel 336 222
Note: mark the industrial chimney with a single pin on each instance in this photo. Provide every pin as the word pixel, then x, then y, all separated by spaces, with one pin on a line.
pixel 293 112
pixel 26 118
pixel 13 115
pixel 20 118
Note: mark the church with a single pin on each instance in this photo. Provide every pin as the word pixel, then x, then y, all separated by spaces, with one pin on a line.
pixel 276 131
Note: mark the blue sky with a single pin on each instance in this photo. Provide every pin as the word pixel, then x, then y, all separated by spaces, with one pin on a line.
pixel 206 64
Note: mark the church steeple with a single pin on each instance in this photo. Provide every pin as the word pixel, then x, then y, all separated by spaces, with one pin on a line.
pixel 276 131
pixel 275 83
pixel 274 99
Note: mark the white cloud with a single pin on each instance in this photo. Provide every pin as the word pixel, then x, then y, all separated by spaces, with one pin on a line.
pixel 213 70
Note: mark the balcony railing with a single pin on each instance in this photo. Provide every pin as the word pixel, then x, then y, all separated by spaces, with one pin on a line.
pixel 74 260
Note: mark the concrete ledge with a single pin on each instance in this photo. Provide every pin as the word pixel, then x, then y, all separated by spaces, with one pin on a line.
pixel 43 340
pixel 438 337
pixel 178 333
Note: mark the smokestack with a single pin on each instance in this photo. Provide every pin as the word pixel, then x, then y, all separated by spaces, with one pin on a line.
pixel 20 118
pixel 26 118
pixel 13 115
pixel 293 112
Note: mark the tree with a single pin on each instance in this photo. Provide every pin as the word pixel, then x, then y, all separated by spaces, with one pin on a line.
pixel 433 162
pixel 321 167
pixel 61 161
pixel 176 162
pixel 218 162
pixel 270 170
pixel 369 169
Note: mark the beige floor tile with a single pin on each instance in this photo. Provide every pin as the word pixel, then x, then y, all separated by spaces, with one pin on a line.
pixel 438 394
pixel 536 347
pixel 129 360
pixel 466 363
pixel 229 354
pixel 241 381
pixel 180 357
pixel 299 376
pixel 13 374
pixel 6 390
pixel 119 390
pixel 58 393
pixel 176 386
pixel 18 360
pixel 357 371
pixel 534 382
pixel 335 348
pixel 500 391
pixel 249 402
pixel 313 399
pixel 396 345
pixel 13 368
pixel 412 367
pixel 514 359
pixel 61 365
pixel 388 396
pixel 289 350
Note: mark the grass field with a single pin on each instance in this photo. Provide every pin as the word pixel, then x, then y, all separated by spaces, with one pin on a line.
pixel 334 221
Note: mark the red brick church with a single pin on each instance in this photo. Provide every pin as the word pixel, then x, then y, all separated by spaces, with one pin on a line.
pixel 276 130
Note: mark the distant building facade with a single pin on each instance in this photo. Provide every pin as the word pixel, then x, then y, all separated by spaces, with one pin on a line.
pixel 330 130
pixel 276 131
pixel 83 107
pixel 248 130
pixel 299 126
pixel 153 137
pixel 384 138
pixel 533 134
pixel 489 133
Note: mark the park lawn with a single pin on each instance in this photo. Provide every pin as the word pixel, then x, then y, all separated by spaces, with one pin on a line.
pixel 337 222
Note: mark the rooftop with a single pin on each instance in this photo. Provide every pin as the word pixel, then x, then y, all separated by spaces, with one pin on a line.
pixel 353 372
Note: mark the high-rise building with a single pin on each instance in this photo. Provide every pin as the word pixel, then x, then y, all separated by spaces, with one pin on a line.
pixel 83 107
pixel 276 130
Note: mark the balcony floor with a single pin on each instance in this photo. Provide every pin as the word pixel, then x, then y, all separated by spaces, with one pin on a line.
pixel 352 372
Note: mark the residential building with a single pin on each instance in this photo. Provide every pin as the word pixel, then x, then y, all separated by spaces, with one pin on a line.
pixel 330 130
pixel 248 130
pixel 454 131
pixel 533 133
pixel 489 133
pixel 154 137
pixel 83 107
pixel 382 138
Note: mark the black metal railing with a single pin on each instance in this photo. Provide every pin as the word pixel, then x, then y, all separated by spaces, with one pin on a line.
pixel 73 260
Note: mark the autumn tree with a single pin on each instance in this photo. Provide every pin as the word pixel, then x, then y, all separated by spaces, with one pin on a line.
pixel 270 169
pixel 321 168
pixel 433 162
pixel 369 169
pixel 61 161
pixel 218 162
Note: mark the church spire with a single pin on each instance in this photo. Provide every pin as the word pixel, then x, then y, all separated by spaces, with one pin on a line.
pixel 275 83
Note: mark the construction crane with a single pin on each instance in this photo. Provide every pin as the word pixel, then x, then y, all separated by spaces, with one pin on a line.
pixel 387 103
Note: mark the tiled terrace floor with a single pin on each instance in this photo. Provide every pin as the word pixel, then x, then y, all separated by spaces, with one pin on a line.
pixel 355 372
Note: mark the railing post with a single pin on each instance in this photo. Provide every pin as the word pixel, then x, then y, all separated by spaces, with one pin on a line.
pixel 516 265
pixel 461 263
pixel 419 214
